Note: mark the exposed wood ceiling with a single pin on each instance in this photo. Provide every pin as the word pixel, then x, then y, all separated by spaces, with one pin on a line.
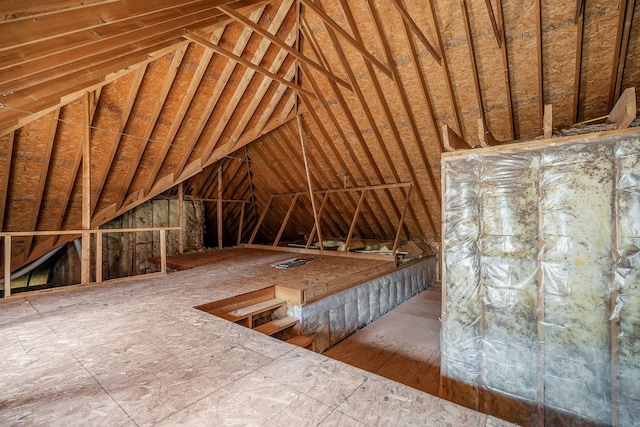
pixel 184 86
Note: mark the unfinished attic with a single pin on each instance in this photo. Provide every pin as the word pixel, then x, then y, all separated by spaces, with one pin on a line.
pixel 320 212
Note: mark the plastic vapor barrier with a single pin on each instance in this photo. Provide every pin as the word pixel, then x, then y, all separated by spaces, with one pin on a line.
pixel 541 281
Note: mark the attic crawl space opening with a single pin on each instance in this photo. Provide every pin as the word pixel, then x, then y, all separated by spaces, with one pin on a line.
pixel 292 121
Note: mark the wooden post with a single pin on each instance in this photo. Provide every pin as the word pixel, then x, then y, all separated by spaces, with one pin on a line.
pixel 404 212
pixel 220 242
pixel 241 224
pixel 99 256
pixel 85 261
pixel 313 230
pixel 181 217
pixel 7 266
pixel 163 251
pixel 306 168
pixel 353 222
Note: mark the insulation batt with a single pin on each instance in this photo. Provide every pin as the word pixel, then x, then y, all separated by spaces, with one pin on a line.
pixel 542 281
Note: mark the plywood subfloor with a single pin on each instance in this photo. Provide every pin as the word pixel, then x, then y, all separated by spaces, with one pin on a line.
pixel 318 278
pixel 138 353
pixel 403 345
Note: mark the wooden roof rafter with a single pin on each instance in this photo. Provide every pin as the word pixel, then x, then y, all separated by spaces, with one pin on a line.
pixel 621 49
pixel 579 21
pixel 283 45
pixel 416 30
pixel 330 23
pixel 4 184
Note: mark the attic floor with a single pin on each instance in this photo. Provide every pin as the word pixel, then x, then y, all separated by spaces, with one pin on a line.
pixel 137 353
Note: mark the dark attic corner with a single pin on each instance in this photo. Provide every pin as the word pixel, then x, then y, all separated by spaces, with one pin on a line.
pixel 320 212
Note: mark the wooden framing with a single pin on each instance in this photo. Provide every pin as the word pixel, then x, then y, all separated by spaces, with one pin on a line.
pixel 579 20
pixel 219 205
pixel 416 30
pixel 190 36
pixel 538 8
pixel 286 220
pixel 7 266
pixel 507 76
pixel 622 46
pixel 496 31
pixel 453 141
pixel 624 112
pixel 4 184
pixel 85 262
pixel 547 129
pixel 354 220
pixel 337 28
pixel 181 217
pixel 472 58
pixel 316 221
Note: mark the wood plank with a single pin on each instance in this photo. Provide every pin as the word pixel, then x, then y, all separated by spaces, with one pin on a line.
pixel 181 217
pixel 492 17
pixel 14 9
pixel 98 257
pixel 354 221
pixel 316 221
pixel 240 225
pixel 301 341
pixel 276 326
pixel 262 215
pixel 485 136
pixel 286 220
pixel 507 74
pixel 7 266
pixel 472 58
pixel 538 8
pixel 578 64
pixel 404 212
pixel 190 36
pixel 624 112
pixel 622 46
pixel 358 46
pixel 252 310
pixel 220 242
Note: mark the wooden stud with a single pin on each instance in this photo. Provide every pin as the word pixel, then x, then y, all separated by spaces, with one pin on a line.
pixel 262 215
pixel 98 256
pixel 190 36
pixel 181 217
pixel 447 73
pixel 337 28
pixel 548 122
pixel 507 75
pixel 416 30
pixel 240 225
pixel 306 168
pixel 268 35
pixel 286 220
pixel 7 266
pixel 313 230
pixel 472 58
pixel 538 8
pixel 622 44
pixel 4 185
pixel 354 220
pixel 404 212
pixel 624 112
pixel 163 251
pixel 85 264
pixel 494 24
pixel 578 63
pixel 220 242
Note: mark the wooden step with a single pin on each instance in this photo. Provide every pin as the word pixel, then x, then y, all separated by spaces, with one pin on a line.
pixel 276 325
pixel 301 341
pixel 252 310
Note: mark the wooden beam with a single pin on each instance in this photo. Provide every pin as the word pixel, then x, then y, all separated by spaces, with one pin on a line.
pixel 190 36
pixel 624 112
pixel 354 221
pixel 404 212
pixel 163 251
pixel 472 58
pixel 453 141
pixel 417 31
pixel 241 88
pixel 337 28
pixel 99 257
pixel 85 263
pixel 262 215
pixel 181 217
pixel 187 98
pixel 240 225
pixel 547 129
pixel 507 76
pixel 7 266
pixel 4 184
pixel 538 8
pixel 622 46
pixel 484 135
pixel 446 72
pixel 268 35
pixel 152 122
pixel 315 228
pixel 286 220
pixel 220 240
pixel 496 31
pixel 306 168
pixel 578 63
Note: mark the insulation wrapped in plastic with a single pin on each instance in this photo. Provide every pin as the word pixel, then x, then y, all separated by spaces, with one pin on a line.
pixel 541 257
